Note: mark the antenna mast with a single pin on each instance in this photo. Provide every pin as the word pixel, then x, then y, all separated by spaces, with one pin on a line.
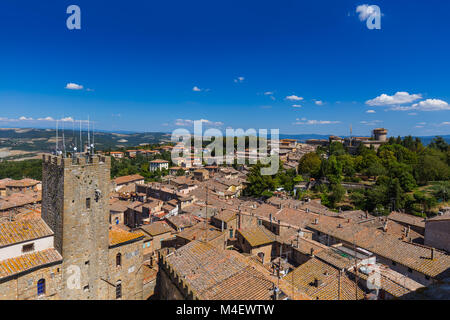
pixel 56 143
pixel 63 139
pixel 81 139
pixel 89 139
pixel 93 138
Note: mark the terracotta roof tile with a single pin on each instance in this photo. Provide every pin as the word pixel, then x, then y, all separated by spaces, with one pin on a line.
pixel 118 236
pixel 28 261
pixel 23 230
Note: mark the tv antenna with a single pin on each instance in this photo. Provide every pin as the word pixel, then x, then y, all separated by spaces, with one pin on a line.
pixel 89 138
pixel 56 143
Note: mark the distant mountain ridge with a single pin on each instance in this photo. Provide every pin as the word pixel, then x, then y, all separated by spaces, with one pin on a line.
pixel 28 141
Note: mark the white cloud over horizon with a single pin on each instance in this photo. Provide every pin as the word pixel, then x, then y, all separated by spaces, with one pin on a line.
pixel 304 121
pixel 426 106
pixel 400 97
pixel 294 98
pixel 74 86
pixel 188 122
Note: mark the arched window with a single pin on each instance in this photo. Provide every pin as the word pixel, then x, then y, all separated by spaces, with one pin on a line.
pixel 118 260
pixel 41 287
pixel 118 289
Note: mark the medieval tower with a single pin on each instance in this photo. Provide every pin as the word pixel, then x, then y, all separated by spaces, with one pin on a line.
pixel 75 193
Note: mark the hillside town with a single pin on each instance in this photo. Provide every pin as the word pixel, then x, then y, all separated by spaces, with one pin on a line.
pixel 196 234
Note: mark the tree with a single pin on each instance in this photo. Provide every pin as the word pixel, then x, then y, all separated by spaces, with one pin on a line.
pixel 310 164
pixel 336 195
pixel 439 144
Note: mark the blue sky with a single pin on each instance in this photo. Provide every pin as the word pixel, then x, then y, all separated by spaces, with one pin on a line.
pixel 300 66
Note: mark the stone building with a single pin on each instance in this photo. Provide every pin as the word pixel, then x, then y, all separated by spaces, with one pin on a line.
pixel 437 232
pixel 201 271
pixel 71 252
pixel 256 241
pixel 75 206
pixel 30 268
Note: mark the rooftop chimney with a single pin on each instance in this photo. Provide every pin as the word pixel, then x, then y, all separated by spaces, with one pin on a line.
pixel 317 282
pixel 312 252
pixel 432 253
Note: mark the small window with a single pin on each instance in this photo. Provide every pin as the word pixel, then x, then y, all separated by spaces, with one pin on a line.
pixel 41 287
pixel 88 203
pixel 118 260
pixel 28 248
pixel 118 289
pixel 143 246
pixel 86 262
pixel 231 233
pixel 86 288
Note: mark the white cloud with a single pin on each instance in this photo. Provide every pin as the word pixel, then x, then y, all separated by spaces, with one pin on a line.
pixel 371 123
pixel 239 79
pixel 370 111
pixel 46 119
pixel 197 89
pixel 24 118
pixel 426 105
pixel 294 98
pixel 314 122
pixel 398 98
pixel 431 105
pixel 296 106
pixel 319 103
pixel 188 122
pixel 268 93
pixel 446 123
pixel 68 119
pixel 74 86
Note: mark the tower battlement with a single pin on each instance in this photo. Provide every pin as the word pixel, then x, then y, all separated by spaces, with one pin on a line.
pixel 78 160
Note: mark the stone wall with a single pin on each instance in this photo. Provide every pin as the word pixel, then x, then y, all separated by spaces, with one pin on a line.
pixel 437 234
pixel 75 195
pixel 129 273
pixel 24 286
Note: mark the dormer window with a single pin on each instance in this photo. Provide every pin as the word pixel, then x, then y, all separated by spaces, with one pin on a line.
pixel 28 248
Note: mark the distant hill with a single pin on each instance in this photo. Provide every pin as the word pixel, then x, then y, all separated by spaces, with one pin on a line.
pixel 19 143
pixel 23 142
pixel 303 137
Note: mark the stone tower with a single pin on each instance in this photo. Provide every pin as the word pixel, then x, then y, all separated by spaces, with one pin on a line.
pixel 75 193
